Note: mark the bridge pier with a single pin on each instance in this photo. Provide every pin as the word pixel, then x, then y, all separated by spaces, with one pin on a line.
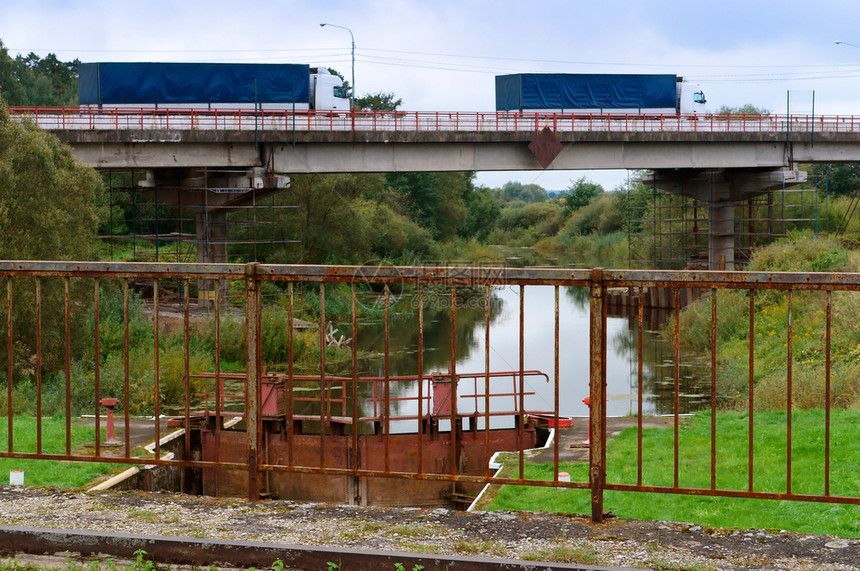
pixel 212 247
pixel 722 189
pixel 209 195
pixel 721 235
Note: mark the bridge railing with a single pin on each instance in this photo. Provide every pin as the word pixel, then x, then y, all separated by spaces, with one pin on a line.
pixel 76 333
pixel 414 121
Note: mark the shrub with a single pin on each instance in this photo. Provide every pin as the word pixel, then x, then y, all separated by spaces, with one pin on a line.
pixel 800 252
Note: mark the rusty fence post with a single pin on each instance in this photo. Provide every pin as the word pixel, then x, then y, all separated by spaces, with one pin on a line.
pixel 252 389
pixel 597 383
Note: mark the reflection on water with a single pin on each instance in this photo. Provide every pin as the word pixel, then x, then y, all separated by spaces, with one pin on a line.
pixel 538 352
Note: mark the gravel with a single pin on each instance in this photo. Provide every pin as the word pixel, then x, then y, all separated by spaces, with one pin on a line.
pixel 519 535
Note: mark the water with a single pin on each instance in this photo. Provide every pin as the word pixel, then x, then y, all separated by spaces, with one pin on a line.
pixel 538 353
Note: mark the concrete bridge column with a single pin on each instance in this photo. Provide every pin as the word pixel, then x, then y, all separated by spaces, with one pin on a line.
pixel 212 247
pixel 721 235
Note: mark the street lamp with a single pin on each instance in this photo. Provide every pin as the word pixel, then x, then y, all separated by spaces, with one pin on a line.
pixel 847 44
pixel 352 38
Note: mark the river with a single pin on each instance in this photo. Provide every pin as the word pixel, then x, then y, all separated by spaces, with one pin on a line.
pixel 538 352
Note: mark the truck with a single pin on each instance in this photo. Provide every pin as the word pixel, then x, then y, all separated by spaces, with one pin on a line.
pixel 598 93
pixel 279 86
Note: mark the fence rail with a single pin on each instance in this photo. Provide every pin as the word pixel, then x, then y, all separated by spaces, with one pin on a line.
pixel 77 118
pixel 47 301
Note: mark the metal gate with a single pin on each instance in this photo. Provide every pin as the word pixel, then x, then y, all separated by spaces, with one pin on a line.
pixel 47 301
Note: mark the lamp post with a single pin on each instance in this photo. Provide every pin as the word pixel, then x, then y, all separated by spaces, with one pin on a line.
pixel 352 39
pixel 838 42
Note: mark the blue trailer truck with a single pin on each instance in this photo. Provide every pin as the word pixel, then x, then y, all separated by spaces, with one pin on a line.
pixel 212 85
pixel 597 93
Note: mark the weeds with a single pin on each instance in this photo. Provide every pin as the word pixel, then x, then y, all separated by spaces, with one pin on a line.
pixel 564 553
pixel 472 547
pixel 411 530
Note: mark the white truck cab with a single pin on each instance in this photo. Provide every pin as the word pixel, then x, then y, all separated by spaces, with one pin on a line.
pixel 327 91
pixel 691 98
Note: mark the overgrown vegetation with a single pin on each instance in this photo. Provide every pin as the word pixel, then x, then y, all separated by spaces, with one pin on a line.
pixel 801 252
pixel 769 474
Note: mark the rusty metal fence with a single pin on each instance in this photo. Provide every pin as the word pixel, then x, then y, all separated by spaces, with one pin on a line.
pixel 56 316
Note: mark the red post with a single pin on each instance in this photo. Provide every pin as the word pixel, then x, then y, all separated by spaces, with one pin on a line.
pixel 109 404
pixel 587 402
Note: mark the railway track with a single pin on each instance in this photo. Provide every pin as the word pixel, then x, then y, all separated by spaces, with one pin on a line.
pixel 212 552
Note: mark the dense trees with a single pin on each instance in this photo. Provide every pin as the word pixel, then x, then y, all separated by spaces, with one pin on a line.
pixel 47 198
pixel 30 80
pixel 525 192
pixel 47 212
pixel 349 219
pixel 838 179
pixel 746 109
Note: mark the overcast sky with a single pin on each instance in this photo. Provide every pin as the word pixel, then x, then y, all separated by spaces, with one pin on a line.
pixel 442 55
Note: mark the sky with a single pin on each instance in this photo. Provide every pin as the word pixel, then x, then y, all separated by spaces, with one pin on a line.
pixel 443 55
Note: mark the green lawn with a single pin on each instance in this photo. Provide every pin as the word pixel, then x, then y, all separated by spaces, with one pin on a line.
pixel 769 474
pixel 49 472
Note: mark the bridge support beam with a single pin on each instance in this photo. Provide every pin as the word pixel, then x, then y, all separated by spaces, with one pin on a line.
pixel 721 189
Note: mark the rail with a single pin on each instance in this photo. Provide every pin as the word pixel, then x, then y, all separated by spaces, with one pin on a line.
pixel 84 118
pixel 46 301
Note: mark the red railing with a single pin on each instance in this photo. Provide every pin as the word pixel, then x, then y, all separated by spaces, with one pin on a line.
pixel 64 118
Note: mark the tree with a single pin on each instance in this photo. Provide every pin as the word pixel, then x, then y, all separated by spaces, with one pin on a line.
pixel 837 179
pixel 47 212
pixel 379 101
pixel 11 89
pixel 513 190
pixel 746 109
pixel 47 197
pixel 483 208
pixel 31 80
pixel 580 193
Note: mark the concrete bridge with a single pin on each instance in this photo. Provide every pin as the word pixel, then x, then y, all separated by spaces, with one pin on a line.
pixel 719 159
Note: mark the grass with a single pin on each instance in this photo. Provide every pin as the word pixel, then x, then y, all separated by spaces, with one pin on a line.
pixel 413 530
pixel 769 474
pixel 477 546
pixel 565 553
pixel 49 472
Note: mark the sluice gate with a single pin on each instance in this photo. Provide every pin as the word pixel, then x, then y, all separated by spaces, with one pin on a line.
pixel 306 423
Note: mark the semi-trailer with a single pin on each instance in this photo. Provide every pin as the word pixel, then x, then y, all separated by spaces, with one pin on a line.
pixel 597 93
pixel 213 85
